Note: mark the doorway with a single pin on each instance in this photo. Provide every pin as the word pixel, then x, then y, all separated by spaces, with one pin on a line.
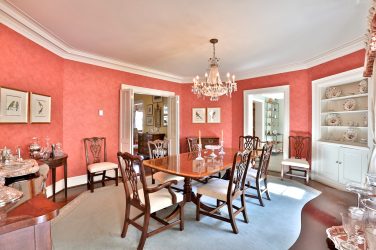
pixel 266 115
pixel 148 113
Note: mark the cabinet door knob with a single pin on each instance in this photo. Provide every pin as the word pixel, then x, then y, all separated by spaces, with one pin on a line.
pixel 340 162
pixel 336 161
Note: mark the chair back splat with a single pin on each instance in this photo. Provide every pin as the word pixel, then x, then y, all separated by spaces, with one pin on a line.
pixel 129 175
pixel 239 172
pixel 97 147
pixel 262 171
pixel 248 142
pixel 300 147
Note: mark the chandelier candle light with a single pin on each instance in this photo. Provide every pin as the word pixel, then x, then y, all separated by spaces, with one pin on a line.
pixel 213 87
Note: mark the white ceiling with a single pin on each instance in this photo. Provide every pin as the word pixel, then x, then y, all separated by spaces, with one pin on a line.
pixel 172 36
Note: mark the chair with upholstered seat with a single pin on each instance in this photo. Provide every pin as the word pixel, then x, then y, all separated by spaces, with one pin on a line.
pixel 255 177
pixel 192 144
pixel 159 149
pixel 299 157
pixel 147 199
pixel 250 143
pixel 96 161
pixel 226 191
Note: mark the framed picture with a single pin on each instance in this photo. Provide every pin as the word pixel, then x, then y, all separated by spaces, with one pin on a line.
pixel 157 98
pixel 165 120
pixel 165 109
pixel 157 116
pixel 214 115
pixel 198 115
pixel 13 106
pixel 149 121
pixel 149 109
pixel 40 108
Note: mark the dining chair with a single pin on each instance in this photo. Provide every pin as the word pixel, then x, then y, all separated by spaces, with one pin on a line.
pixel 227 191
pixel 299 157
pixel 259 175
pixel 147 199
pixel 96 161
pixel 250 143
pixel 159 149
pixel 192 144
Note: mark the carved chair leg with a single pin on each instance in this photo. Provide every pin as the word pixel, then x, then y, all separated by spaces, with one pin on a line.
pixel 245 215
pixel 198 207
pixel 259 194
pixel 92 182
pixel 144 234
pixel 232 217
pixel 152 177
pixel 88 179
pixel 267 189
pixel 103 178
pixel 218 203
pixel 307 177
pixel 126 219
pixel 117 177
pixel 181 216
pixel 282 171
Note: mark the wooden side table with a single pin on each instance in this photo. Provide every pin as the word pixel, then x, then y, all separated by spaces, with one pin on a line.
pixel 54 163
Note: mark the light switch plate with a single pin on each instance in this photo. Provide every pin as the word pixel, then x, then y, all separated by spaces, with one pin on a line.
pixel 101 113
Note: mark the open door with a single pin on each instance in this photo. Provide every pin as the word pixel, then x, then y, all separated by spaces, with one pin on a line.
pixel 126 120
pixel 173 125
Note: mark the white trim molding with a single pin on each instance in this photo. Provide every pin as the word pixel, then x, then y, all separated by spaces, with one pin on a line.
pixel 26 26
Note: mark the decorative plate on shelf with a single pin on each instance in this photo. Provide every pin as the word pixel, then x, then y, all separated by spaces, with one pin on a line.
pixel 8 195
pixel 363 86
pixel 349 104
pixel 350 135
pixel 332 92
pixel 333 120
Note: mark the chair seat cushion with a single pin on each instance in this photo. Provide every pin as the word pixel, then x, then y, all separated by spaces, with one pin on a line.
pixel 216 188
pixel 101 166
pixel 160 199
pixel 301 163
pixel 162 177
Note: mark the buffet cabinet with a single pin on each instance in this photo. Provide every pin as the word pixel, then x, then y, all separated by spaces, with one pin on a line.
pixel 341 138
pixel 204 141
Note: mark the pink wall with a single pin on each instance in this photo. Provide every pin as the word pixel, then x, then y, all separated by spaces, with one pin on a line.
pixel 79 90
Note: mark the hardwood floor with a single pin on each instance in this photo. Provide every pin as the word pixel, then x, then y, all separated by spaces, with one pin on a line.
pixel 317 215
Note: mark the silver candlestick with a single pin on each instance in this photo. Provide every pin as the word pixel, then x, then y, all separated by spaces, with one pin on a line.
pixel 222 152
pixel 199 147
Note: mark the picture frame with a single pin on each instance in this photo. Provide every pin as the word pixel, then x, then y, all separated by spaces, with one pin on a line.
pixel 165 121
pixel 149 121
pixel 198 115
pixel 149 109
pixel 40 108
pixel 13 105
pixel 157 98
pixel 157 116
pixel 214 115
pixel 165 109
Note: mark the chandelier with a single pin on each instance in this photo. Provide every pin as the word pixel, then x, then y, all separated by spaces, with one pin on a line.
pixel 212 86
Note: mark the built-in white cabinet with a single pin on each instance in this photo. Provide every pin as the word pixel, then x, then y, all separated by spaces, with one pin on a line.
pixel 340 128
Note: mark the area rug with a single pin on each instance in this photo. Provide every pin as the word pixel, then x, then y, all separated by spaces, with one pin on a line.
pixel 95 220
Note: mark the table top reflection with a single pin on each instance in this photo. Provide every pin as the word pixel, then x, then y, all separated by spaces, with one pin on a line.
pixel 186 165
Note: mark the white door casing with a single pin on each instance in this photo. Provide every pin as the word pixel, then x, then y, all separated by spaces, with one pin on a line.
pixel 173 125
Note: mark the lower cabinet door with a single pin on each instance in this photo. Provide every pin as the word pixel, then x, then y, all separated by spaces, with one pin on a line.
pixel 328 161
pixel 352 165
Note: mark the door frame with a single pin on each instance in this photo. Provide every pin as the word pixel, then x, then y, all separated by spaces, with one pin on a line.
pixel 247 116
pixel 153 92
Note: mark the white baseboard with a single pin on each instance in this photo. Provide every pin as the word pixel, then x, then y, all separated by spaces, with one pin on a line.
pixel 73 181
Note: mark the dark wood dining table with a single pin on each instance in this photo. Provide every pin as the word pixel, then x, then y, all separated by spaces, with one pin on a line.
pixel 187 166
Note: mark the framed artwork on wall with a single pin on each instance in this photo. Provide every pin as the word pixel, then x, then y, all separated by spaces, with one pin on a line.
pixel 157 98
pixel 198 115
pixel 149 109
pixel 149 121
pixel 13 106
pixel 40 108
pixel 165 120
pixel 214 115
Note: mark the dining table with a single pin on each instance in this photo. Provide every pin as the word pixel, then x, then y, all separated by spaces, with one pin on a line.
pixel 187 166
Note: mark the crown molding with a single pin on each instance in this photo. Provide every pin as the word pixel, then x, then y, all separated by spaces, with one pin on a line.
pixel 26 26
pixel 18 21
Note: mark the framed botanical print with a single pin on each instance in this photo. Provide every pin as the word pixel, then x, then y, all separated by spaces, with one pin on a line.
pixel 13 106
pixel 40 108
pixel 149 121
pixel 214 115
pixel 198 115
pixel 149 109
pixel 165 120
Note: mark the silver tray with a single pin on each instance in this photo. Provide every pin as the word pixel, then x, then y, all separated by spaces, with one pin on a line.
pixel 8 195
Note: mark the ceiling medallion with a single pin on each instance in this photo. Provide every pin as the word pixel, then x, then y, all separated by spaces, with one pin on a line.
pixel 212 86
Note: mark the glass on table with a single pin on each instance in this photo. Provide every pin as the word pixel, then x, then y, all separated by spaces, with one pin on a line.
pixel 370 223
pixel 347 223
pixel 360 190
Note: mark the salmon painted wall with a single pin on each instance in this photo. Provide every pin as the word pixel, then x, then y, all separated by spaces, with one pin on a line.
pixel 300 91
pixel 29 67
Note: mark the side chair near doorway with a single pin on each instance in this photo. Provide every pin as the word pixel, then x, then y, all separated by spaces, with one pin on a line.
pixel 226 191
pixel 147 199
pixel 96 161
pixel 299 157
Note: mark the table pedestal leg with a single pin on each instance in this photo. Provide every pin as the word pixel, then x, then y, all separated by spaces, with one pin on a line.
pixel 53 183
pixel 188 189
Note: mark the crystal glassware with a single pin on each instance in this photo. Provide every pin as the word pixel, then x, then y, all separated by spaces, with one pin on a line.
pixel 199 149
pixel 347 224
pixel 370 223
pixel 222 151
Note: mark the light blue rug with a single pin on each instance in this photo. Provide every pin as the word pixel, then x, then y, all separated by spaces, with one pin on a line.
pixel 95 220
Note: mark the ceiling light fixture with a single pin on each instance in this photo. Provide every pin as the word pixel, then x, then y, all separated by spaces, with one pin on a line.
pixel 213 87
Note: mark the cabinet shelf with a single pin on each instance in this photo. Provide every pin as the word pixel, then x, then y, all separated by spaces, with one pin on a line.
pixel 353 144
pixel 345 112
pixel 344 97
pixel 327 126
